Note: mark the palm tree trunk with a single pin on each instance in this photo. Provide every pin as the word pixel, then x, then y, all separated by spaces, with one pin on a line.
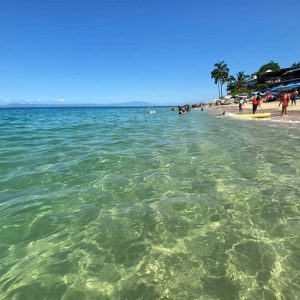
pixel 219 88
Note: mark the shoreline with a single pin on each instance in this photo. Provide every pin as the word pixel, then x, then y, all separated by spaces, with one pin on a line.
pixel 268 107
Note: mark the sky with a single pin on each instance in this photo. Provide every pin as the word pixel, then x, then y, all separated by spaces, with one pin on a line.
pixel 159 51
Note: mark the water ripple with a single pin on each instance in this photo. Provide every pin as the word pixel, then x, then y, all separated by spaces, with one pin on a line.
pixel 117 204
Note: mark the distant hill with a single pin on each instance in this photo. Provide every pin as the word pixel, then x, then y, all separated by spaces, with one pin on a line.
pixel 133 103
pixel 124 104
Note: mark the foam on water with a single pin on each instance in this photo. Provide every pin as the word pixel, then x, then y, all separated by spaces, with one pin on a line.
pixel 118 204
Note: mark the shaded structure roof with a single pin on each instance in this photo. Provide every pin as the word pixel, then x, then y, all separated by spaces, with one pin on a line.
pixel 282 76
pixel 276 73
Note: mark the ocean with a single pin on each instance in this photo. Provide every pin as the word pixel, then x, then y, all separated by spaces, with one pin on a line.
pixel 113 203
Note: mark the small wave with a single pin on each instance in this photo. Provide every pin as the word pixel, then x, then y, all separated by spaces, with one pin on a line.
pixel 285 121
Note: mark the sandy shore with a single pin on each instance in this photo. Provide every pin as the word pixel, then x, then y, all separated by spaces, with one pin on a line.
pixel 270 107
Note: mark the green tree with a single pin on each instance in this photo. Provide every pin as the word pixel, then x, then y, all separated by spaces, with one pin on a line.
pixel 241 79
pixel 220 74
pixel 296 64
pixel 273 66
pixel 238 83
pixel 231 87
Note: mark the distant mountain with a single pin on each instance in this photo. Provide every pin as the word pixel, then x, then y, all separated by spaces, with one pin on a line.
pixel 124 104
pixel 28 105
pixel 133 104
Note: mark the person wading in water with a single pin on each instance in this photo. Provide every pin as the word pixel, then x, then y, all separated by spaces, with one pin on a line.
pixel 294 96
pixel 255 102
pixel 284 101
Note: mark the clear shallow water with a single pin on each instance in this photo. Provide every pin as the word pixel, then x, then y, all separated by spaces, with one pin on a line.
pixel 116 204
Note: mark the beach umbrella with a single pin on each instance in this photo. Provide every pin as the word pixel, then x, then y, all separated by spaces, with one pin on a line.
pixel 285 87
pixel 297 84
pixel 272 90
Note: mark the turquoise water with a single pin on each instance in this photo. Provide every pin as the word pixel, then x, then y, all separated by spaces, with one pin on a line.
pixel 117 204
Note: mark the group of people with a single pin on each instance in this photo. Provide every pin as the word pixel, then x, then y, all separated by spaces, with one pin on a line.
pixel 184 109
pixel 285 98
pixel 255 103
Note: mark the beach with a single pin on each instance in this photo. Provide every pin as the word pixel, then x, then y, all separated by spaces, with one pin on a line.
pixel 265 107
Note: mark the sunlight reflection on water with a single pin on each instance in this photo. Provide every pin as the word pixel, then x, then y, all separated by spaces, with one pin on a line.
pixel 116 204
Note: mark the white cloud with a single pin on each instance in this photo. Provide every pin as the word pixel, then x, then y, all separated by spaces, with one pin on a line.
pixel 60 100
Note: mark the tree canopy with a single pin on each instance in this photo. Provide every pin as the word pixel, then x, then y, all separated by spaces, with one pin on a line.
pixel 241 78
pixel 221 75
pixel 238 83
pixel 273 66
pixel 296 64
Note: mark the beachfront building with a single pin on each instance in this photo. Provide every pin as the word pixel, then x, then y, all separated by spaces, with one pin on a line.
pixel 251 83
pixel 280 77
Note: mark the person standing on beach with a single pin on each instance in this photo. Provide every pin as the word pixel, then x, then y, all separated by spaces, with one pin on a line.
pixel 284 102
pixel 241 103
pixel 255 102
pixel 294 96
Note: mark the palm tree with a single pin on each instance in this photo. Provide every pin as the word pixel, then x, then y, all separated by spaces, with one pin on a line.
pixel 238 82
pixel 220 74
pixel 215 76
pixel 231 79
pixel 241 79
pixel 297 64
pixel 231 83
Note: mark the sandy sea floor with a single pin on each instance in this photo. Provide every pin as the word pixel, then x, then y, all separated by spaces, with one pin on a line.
pixel 113 203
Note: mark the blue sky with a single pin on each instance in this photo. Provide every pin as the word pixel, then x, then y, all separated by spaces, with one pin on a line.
pixel 95 51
